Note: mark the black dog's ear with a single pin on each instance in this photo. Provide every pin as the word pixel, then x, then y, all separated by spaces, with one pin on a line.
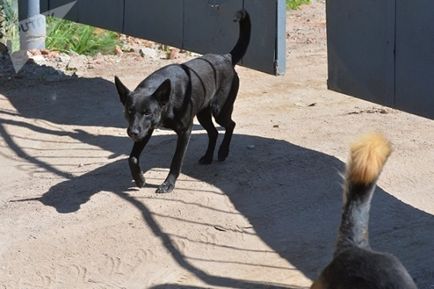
pixel 162 94
pixel 122 90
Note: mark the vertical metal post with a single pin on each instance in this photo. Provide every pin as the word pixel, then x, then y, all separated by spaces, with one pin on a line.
pixel 32 25
pixel 280 65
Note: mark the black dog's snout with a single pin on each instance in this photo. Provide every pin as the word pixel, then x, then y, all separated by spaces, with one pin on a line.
pixel 133 133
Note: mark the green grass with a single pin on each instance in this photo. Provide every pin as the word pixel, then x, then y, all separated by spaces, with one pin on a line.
pixel 295 4
pixel 62 35
pixel 9 23
pixel 67 36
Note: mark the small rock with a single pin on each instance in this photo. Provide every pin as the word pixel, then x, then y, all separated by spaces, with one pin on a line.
pixel 127 48
pixel 118 51
pixel 173 53
pixel 276 126
pixel 52 54
pixel 45 51
pixel 63 58
pixel 38 59
pixel 219 228
pixel 149 52
pixel 77 62
pixel 34 52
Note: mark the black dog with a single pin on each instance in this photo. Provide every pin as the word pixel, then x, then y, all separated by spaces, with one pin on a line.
pixel 174 94
pixel 355 264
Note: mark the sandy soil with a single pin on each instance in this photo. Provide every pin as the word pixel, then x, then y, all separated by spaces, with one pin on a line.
pixel 70 216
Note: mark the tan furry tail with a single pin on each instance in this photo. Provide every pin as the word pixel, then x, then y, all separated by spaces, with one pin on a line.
pixel 367 158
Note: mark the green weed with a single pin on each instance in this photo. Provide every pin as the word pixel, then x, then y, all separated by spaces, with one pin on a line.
pixel 295 4
pixel 9 23
pixel 68 36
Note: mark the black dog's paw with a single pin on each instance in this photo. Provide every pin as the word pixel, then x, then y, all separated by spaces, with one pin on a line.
pixel 205 160
pixel 165 187
pixel 136 172
pixel 223 154
pixel 140 181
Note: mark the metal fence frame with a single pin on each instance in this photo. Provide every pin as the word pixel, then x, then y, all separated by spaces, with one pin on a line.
pixel 175 23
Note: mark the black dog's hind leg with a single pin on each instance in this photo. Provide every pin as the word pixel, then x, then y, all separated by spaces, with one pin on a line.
pixel 134 163
pixel 224 118
pixel 175 167
pixel 205 120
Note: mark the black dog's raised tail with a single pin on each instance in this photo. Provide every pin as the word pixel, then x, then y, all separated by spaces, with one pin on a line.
pixel 244 39
pixel 367 158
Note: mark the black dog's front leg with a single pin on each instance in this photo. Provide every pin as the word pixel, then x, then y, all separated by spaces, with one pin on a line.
pixel 134 163
pixel 175 167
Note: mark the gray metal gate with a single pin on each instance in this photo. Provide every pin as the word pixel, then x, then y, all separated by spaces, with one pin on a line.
pixel 203 26
pixel 383 51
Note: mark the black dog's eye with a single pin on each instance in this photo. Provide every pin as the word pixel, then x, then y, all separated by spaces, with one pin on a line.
pixel 147 113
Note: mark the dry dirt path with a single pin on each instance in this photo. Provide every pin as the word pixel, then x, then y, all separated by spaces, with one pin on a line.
pixel 266 218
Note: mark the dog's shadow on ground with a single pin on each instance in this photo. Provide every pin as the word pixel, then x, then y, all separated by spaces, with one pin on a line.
pixel 292 200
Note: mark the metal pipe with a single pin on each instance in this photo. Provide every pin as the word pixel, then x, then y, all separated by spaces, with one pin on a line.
pixel 32 25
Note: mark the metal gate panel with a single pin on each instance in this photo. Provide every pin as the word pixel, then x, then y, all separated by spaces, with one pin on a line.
pixel 360 37
pixel 160 21
pixel 415 56
pixel 203 26
pixel 102 13
pixel 218 33
pixel 43 3
pixel 209 25
pixel 264 46
pixel 383 51
pixel 71 15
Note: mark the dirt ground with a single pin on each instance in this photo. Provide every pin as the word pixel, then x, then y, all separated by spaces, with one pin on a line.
pixel 267 217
